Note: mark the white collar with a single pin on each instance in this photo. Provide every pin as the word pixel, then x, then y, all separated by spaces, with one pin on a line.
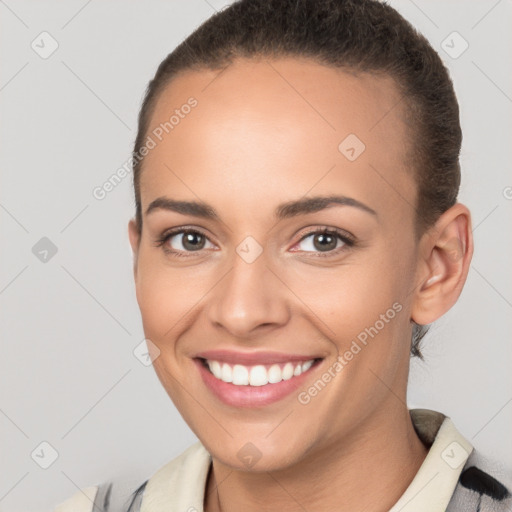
pixel 179 486
pixel 433 485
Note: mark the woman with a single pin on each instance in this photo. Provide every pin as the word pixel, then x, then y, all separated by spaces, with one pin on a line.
pixel 296 176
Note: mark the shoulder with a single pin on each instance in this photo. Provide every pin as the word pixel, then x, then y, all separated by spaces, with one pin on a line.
pixel 481 486
pixel 180 484
pixel 81 501
pixel 118 495
pixel 110 496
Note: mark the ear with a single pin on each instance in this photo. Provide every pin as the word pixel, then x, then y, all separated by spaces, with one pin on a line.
pixel 134 237
pixel 445 255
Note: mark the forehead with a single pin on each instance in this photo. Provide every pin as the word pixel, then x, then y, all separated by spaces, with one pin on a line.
pixel 276 129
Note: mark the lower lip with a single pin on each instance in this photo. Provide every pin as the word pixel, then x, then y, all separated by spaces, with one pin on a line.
pixel 251 396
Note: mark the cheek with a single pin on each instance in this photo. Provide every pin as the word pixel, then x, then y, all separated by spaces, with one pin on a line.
pixel 350 296
pixel 164 297
pixel 342 301
pixel 364 301
pixel 163 304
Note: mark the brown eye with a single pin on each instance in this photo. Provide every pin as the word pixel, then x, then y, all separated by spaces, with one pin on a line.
pixel 181 242
pixel 192 240
pixel 324 241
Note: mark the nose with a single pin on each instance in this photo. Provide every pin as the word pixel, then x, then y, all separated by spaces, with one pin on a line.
pixel 250 299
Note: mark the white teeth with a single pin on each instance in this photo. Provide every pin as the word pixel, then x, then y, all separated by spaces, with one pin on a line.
pixel 275 374
pixel 288 371
pixel 306 366
pixel 215 368
pixel 240 375
pixel 258 375
pixel 227 373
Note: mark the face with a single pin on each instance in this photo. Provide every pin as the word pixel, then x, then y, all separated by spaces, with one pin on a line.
pixel 277 316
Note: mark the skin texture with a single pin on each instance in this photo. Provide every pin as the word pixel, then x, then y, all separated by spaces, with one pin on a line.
pixel 264 133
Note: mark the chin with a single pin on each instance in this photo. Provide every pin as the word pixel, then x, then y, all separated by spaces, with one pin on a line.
pixel 256 456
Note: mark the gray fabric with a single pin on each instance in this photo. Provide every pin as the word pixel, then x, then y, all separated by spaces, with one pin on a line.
pixel 118 497
pixel 485 492
pixel 492 495
pixel 479 488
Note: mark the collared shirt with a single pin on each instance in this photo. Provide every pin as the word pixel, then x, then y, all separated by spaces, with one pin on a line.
pixel 179 486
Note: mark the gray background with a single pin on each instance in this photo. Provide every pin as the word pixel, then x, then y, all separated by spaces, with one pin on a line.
pixel 69 325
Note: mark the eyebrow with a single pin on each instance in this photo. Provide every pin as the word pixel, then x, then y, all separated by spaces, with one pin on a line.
pixel 283 211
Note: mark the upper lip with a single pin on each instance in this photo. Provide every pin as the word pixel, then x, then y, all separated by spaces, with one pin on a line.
pixel 253 358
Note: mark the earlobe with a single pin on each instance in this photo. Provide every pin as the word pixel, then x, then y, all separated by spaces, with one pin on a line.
pixel 134 237
pixel 446 252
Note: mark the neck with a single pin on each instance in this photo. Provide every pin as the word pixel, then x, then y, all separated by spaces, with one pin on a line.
pixel 368 472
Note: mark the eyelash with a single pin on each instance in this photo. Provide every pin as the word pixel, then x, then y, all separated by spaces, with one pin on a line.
pixel 347 240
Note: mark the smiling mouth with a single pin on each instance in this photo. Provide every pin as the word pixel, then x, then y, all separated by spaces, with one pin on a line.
pixel 257 375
